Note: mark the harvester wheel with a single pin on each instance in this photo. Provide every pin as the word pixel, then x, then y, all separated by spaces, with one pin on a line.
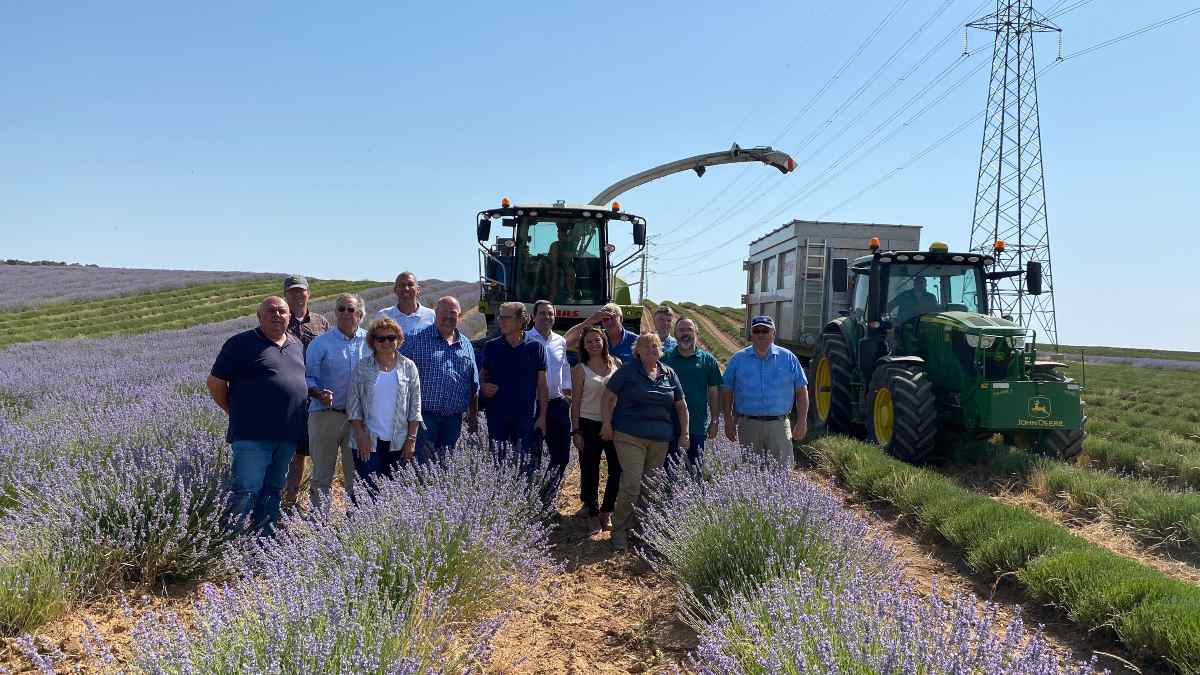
pixel 829 386
pixel 902 412
pixel 1064 444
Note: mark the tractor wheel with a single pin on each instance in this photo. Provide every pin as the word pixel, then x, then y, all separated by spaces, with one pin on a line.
pixel 902 412
pixel 1064 444
pixel 829 386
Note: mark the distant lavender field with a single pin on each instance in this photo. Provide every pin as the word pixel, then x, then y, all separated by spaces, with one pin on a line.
pixel 27 286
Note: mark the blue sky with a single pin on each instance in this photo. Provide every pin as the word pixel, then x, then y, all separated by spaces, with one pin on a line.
pixel 356 141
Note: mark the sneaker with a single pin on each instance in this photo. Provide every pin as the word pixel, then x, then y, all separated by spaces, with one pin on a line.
pixel 619 541
pixel 606 521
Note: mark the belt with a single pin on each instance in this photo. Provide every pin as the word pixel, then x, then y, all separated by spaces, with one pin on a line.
pixel 337 410
pixel 764 418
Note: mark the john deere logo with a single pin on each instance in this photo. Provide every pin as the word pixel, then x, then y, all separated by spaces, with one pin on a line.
pixel 1039 406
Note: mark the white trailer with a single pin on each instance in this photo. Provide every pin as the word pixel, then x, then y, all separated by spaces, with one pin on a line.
pixel 789 274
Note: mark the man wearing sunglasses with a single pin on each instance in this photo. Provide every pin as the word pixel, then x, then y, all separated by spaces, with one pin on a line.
pixel 608 317
pixel 328 365
pixel 762 383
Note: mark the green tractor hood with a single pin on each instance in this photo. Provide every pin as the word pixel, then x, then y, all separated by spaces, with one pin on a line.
pixel 975 324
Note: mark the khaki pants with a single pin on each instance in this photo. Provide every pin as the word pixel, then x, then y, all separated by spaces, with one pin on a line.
pixel 639 457
pixel 329 434
pixel 770 437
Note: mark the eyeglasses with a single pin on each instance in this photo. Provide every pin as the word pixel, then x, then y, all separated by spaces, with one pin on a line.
pixel 386 338
pixel 350 310
pixel 507 316
pixel 761 331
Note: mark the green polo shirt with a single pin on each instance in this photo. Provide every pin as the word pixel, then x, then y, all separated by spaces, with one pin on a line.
pixel 696 373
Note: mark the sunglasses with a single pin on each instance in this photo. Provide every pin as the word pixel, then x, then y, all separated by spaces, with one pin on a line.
pixel 347 309
pixel 386 338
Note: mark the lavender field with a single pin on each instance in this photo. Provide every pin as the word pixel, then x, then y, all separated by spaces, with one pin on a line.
pixel 29 286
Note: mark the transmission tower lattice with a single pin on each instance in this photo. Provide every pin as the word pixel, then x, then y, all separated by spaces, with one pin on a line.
pixel 1010 195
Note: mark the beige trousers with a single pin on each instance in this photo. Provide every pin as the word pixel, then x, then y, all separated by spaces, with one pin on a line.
pixel 329 434
pixel 770 437
pixel 639 457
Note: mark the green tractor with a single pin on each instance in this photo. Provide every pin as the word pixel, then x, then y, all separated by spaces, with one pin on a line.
pixel 917 357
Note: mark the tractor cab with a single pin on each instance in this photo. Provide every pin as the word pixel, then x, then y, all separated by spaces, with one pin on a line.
pixel 558 253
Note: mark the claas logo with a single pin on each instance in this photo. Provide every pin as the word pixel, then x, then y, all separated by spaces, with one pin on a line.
pixel 1039 406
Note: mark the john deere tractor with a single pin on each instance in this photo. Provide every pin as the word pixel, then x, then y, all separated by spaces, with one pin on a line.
pixel 916 357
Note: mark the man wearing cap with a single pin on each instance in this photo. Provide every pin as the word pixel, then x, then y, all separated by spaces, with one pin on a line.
pixel 608 317
pixel 305 326
pixel 408 311
pixel 762 383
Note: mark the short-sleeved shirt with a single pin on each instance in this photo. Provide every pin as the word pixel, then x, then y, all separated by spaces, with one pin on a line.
pixel 623 348
pixel 267 391
pixel 669 344
pixel 448 372
pixel 307 329
pixel 645 407
pixel 764 386
pixel 411 324
pixel 696 374
pixel 515 371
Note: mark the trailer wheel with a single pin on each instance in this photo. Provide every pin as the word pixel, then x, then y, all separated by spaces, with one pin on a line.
pixel 1064 444
pixel 902 412
pixel 829 386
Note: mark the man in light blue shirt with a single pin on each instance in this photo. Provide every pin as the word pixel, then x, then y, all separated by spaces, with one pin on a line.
pixel 408 311
pixel 762 383
pixel 328 365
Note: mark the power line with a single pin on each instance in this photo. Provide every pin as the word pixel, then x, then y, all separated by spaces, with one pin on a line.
pixel 1134 33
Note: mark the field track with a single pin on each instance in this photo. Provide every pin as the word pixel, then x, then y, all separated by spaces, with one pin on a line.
pixel 719 335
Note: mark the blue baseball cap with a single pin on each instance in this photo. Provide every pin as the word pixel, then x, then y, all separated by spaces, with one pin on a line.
pixel 763 320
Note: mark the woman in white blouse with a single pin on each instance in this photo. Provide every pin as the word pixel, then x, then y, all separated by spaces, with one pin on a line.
pixel 384 405
pixel 588 380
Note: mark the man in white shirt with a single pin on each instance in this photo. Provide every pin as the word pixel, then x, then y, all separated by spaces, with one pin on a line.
pixel 408 311
pixel 558 379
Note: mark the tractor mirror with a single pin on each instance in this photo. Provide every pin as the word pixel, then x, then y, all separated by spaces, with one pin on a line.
pixel 840 277
pixel 1033 277
pixel 484 229
pixel 639 234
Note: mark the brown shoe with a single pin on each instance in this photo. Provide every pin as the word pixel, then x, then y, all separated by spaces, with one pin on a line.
pixel 606 521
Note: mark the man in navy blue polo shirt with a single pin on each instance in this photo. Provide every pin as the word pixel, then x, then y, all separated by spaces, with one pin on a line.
pixel 515 387
pixel 258 379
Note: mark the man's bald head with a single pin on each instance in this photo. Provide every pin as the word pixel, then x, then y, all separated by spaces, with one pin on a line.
pixel 273 317
pixel 446 315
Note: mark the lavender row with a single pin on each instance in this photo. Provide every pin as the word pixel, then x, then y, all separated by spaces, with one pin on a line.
pixel 29 286
pixel 776 576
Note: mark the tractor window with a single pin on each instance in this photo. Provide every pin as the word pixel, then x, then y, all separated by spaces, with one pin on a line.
pixel 922 289
pixel 861 284
pixel 560 260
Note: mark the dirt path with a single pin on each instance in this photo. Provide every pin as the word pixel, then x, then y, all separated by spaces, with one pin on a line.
pixel 710 327
pixel 602 613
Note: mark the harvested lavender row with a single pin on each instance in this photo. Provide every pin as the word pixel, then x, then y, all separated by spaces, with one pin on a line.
pixel 776 576
pixel 29 286
pixel 409 582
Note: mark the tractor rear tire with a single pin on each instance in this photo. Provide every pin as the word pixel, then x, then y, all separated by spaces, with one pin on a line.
pixel 832 371
pixel 1063 444
pixel 902 415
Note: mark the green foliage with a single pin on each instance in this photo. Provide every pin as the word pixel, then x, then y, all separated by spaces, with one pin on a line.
pixel 157 310
pixel 1093 587
pixel 1125 352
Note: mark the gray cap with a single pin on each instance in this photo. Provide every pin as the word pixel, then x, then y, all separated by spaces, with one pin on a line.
pixel 294 281
pixel 762 320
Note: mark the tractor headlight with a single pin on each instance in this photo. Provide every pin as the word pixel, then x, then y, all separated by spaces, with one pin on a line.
pixel 974 341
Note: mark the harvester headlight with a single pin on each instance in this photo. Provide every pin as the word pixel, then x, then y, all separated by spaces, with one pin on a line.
pixel 974 341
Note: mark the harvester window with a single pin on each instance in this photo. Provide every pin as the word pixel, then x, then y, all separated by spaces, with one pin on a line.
pixel 562 261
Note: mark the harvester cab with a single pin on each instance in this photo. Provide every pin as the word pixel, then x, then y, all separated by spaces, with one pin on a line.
pixel 917 356
pixel 561 253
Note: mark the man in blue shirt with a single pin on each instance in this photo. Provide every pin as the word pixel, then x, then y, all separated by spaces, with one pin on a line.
pixel 258 380
pixel 449 381
pixel 664 324
pixel 408 311
pixel 515 386
pixel 762 383
pixel 328 365
pixel 608 317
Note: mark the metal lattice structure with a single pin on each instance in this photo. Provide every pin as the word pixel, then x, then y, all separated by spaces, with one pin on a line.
pixel 1010 195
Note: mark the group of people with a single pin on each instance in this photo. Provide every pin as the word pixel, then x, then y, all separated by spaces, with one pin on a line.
pixel 403 388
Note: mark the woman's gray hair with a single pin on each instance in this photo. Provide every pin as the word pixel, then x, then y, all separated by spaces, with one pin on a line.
pixel 358 303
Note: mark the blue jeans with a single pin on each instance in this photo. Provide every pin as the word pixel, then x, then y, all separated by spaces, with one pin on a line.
pixel 382 462
pixel 694 452
pixel 437 435
pixel 260 471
